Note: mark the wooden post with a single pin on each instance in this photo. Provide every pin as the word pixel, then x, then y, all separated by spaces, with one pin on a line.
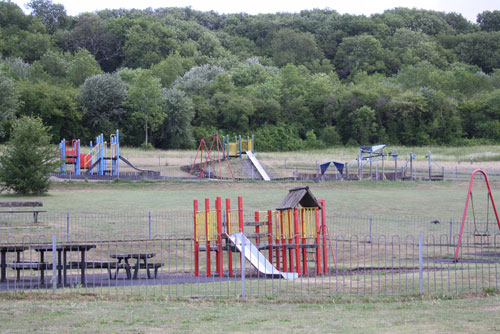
pixel 196 244
pixel 304 241
pixel 297 240
pixel 411 166
pixel 283 242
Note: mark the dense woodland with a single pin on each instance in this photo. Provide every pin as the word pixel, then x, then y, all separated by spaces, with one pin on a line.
pixel 167 77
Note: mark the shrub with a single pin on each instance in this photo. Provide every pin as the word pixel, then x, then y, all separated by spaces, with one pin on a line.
pixel 28 158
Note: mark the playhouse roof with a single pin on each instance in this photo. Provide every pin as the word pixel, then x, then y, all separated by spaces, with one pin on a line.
pixel 296 196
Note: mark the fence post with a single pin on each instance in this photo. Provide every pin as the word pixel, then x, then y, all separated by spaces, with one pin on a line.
pixel 451 230
pixel 149 225
pixel 67 226
pixel 371 222
pixel 54 261
pixel 420 265
pixel 242 267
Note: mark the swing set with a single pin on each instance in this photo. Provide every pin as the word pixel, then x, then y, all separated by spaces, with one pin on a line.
pixel 479 237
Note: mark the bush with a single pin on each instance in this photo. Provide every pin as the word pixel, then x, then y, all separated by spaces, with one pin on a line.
pixel 28 158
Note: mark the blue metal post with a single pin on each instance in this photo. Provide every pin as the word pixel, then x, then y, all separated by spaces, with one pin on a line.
pixel 62 148
pixel 117 169
pixel 77 159
pixel 240 146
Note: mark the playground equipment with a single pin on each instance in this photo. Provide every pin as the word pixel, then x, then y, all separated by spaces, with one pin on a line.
pixel 291 234
pixel 98 158
pixel 479 237
pixel 238 147
pixel 258 166
pixel 375 153
pixel 207 164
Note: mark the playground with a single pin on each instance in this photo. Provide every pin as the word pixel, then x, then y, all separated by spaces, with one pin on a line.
pixel 297 241
pixel 238 158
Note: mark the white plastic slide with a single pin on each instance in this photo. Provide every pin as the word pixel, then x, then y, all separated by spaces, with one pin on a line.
pixel 257 165
pixel 256 258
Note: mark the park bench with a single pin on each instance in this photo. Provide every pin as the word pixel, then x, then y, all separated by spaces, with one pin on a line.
pixel 28 265
pixel 13 208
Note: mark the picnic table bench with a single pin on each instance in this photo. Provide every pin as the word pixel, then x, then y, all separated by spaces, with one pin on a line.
pixel 14 205
pixel 142 262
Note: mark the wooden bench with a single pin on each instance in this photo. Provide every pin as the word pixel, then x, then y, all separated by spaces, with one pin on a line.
pixel 151 265
pixel 28 265
pixel 109 265
pixel 12 205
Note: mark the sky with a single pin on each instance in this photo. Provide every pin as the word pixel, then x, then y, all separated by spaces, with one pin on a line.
pixel 468 8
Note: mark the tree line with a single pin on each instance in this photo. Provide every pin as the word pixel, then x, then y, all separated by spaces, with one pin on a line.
pixel 167 77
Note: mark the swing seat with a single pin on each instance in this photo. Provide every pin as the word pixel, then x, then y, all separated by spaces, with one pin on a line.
pixel 481 238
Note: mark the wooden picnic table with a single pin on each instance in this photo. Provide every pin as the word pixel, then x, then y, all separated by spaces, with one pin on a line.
pixel 141 261
pixel 4 249
pixel 62 261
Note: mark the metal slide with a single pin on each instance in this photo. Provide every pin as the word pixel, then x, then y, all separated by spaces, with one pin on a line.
pixel 257 165
pixel 256 258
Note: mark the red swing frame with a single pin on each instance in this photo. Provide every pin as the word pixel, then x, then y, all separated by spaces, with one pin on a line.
pixel 467 206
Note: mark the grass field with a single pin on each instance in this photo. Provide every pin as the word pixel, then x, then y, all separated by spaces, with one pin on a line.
pixel 97 314
pixel 442 199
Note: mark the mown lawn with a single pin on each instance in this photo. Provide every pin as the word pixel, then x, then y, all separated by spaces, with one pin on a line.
pixel 98 314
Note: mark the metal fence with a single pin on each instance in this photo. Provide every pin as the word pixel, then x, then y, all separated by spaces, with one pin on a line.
pixel 377 266
pixel 154 225
pixel 374 255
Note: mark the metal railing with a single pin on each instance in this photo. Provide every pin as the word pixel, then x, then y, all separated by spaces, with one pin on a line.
pixel 380 265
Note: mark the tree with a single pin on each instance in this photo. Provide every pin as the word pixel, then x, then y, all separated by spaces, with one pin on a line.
pixel 101 99
pixel 298 48
pixel 83 66
pixel 359 53
pixel 144 98
pixel 489 20
pixel 52 15
pixel 9 102
pixel 28 158
pixel 176 129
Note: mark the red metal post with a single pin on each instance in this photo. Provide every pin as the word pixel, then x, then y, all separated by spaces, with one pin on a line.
pixel 290 241
pixel 297 238
pixel 323 230
pixel 471 182
pixel 229 231
pixel 196 244
pixel 240 213
pixel 270 234
pixel 257 228
pixel 207 229
pixel 218 206
pixel 318 242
